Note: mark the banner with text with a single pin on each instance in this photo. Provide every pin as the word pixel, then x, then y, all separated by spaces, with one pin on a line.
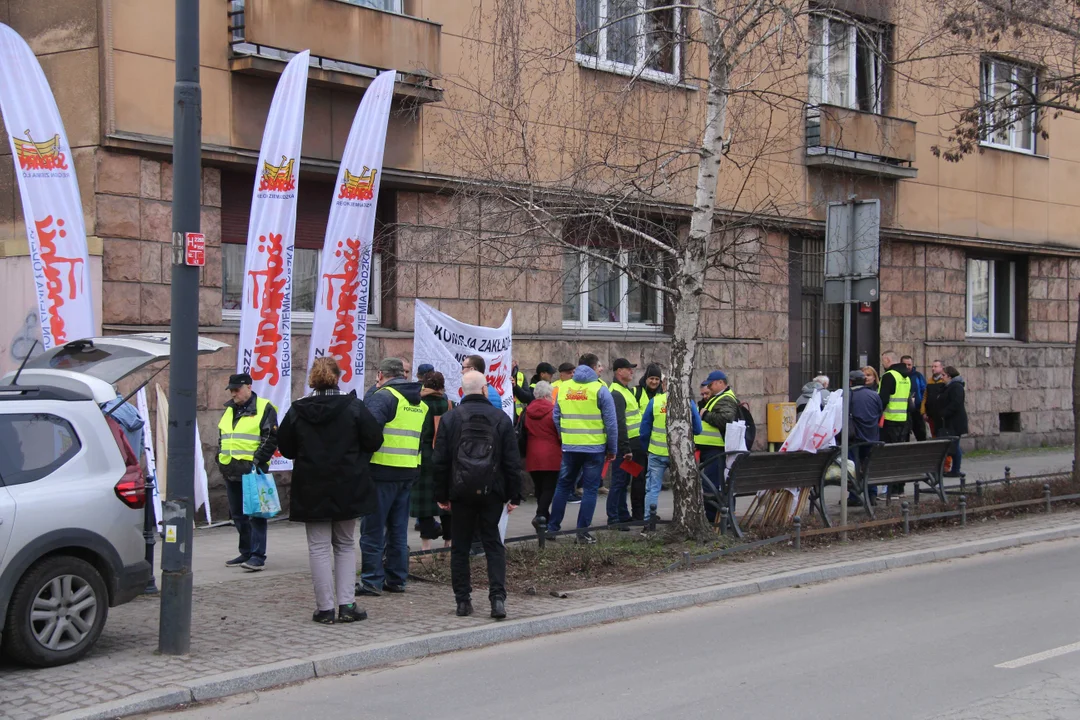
pixel 265 342
pixel 339 329
pixel 50 195
pixel 444 342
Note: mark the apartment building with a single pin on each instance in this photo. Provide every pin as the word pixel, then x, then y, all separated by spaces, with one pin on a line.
pixel 978 256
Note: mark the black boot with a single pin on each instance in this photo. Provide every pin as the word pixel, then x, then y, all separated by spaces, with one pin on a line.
pixel 498 608
pixel 350 613
pixel 323 617
pixel 464 608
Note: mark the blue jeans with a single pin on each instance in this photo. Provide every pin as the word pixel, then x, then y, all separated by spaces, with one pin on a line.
pixel 616 499
pixel 654 479
pixel 589 466
pixel 384 537
pixel 252 530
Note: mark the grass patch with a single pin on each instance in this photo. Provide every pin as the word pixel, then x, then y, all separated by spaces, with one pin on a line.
pixel 1042 450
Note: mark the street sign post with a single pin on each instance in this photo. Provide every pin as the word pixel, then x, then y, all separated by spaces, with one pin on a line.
pixel 852 259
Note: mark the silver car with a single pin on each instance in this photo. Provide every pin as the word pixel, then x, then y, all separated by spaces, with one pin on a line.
pixel 71 525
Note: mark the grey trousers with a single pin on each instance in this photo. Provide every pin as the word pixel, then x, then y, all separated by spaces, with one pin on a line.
pixel 321 537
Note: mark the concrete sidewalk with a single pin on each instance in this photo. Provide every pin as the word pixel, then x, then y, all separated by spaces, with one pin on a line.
pixel 255 631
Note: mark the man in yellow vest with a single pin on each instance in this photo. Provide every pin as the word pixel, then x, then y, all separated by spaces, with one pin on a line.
pixel 718 406
pixel 384 541
pixel 585 418
pixel 655 441
pixel 895 392
pixel 247 439
pixel 523 394
pixel 628 418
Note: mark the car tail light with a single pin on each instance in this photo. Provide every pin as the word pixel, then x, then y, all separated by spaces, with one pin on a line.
pixel 132 493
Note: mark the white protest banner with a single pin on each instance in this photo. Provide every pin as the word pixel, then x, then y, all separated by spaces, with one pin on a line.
pixel 50 196
pixel 444 342
pixel 202 482
pixel 265 342
pixel 339 329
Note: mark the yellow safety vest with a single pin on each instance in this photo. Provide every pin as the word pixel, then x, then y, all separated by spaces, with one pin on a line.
pixel 579 414
pixel 518 405
pixel 658 438
pixel 633 410
pixel 712 436
pixel 896 410
pixel 401 436
pixel 239 441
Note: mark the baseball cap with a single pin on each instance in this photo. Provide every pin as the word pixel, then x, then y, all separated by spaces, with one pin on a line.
pixel 545 368
pixel 713 377
pixel 857 376
pixel 622 363
pixel 235 381
pixel 425 368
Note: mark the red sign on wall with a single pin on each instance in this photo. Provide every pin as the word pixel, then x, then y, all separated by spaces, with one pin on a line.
pixel 195 249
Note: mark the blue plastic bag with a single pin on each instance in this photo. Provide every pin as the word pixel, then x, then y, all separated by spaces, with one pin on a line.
pixel 260 495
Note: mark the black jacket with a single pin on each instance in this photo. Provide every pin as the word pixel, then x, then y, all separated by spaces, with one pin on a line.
pixel 887 388
pixel 620 420
pixel 268 430
pixel 330 438
pixel 954 417
pixel 506 485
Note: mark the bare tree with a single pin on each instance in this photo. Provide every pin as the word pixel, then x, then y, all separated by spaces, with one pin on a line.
pixel 662 166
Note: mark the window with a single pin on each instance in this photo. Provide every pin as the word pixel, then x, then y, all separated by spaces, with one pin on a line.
pixel 991 298
pixel 631 37
pixel 393 6
pixel 305 283
pixel 846 63
pixel 34 445
pixel 1008 94
pixel 597 294
pixel 312 215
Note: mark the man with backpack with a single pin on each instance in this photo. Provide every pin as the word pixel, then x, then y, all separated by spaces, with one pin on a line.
pixel 719 406
pixel 477 471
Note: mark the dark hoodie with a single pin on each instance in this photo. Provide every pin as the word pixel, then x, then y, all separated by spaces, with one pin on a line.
pixel 383 405
pixel 330 437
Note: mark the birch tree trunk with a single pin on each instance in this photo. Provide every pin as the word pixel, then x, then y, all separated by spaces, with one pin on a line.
pixel 688 517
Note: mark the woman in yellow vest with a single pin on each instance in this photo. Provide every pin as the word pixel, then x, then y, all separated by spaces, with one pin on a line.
pixel 384 534
pixel 654 440
pixel 247 438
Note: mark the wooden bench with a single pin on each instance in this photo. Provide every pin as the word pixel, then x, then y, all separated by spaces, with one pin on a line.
pixel 754 472
pixel 902 464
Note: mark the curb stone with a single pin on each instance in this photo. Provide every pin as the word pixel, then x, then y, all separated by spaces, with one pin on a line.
pixel 264 677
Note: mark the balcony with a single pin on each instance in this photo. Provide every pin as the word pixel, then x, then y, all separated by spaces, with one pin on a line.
pixel 860 142
pixel 349 43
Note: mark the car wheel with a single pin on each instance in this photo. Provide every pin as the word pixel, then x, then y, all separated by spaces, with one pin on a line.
pixel 56 613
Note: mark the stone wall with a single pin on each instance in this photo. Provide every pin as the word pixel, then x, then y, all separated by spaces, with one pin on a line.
pixel 923 313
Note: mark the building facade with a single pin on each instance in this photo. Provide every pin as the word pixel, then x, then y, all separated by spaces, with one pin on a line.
pixel 978 257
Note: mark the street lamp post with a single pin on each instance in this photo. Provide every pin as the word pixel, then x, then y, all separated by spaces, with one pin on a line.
pixel 178 509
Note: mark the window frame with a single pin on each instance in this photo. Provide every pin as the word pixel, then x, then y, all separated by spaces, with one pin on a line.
pixel 25 477
pixel 991 299
pixel 360 3
pixel 582 298
pixel 853 65
pixel 986 85
pixel 638 69
pixel 308 317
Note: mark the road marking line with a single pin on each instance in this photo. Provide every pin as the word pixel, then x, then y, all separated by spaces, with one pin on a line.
pixel 1039 657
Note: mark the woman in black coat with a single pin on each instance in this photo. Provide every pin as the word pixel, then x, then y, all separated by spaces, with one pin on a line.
pixel 330 437
pixel 954 419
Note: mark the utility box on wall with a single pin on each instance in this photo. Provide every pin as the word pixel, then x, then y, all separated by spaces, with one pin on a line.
pixel 780 419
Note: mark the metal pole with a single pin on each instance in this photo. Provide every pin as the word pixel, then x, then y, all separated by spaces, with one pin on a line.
pixel 846 385
pixel 178 509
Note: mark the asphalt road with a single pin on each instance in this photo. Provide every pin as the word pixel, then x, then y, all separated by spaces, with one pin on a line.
pixel 922 642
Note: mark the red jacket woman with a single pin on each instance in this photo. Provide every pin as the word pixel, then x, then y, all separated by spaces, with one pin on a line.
pixel 543 452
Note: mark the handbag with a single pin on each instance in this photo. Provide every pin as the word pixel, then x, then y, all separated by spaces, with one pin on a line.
pixel 260 495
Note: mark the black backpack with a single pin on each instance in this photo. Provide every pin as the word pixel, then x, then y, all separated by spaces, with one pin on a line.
pixel 476 459
pixel 743 413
